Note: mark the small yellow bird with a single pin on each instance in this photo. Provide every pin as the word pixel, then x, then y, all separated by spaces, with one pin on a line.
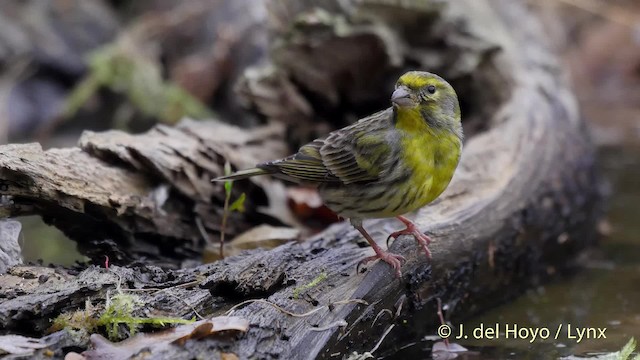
pixel 385 165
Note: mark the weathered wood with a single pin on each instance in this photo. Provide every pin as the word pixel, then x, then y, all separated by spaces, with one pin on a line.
pixel 10 252
pixel 145 198
pixel 523 203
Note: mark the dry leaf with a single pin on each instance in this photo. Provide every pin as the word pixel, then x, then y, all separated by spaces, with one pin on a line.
pixel 443 351
pixel 264 236
pixel 229 356
pixel 261 236
pixel 74 356
pixel 105 349
pixel 277 195
pixel 307 205
pixel 19 345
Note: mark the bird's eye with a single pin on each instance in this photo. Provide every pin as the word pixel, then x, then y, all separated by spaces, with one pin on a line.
pixel 431 89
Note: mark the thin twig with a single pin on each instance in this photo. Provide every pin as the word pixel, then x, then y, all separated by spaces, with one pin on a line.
pixel 223 228
pixel 228 185
pixel 382 312
pixel 188 305
pixel 442 322
pixel 287 312
pixel 338 323
pixel 158 290
pixel 203 231
pixel 386 332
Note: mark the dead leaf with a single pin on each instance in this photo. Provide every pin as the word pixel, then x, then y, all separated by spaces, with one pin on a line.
pixel 305 196
pixel 265 236
pixel 178 336
pixel 198 332
pixel 443 351
pixel 74 356
pixel 262 236
pixel 307 205
pixel 277 196
pixel 19 345
pixel 229 356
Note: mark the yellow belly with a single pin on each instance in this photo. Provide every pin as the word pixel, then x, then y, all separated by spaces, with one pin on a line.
pixel 431 163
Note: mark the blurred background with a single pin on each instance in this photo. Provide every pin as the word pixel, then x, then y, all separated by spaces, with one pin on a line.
pixel 72 65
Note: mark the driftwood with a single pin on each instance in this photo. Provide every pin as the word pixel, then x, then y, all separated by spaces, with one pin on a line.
pixel 522 204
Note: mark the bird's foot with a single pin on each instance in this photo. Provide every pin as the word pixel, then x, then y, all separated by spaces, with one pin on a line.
pixel 412 229
pixel 394 260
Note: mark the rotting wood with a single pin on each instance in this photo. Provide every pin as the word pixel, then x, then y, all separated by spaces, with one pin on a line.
pixel 142 200
pixel 523 203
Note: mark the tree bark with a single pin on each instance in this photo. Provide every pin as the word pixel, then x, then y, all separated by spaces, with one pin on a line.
pixel 524 201
pixel 137 196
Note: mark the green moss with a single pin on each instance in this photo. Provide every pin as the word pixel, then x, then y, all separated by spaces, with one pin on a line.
pixel 118 311
pixel 317 280
pixel 77 320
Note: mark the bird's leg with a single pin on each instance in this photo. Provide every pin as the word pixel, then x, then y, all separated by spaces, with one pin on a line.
pixel 394 260
pixel 412 229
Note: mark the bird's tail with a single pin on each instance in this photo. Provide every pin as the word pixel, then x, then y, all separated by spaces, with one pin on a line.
pixel 243 174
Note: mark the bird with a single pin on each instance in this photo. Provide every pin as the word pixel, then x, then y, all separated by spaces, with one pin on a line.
pixel 385 165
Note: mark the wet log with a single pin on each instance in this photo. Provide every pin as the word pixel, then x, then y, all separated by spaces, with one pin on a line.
pixel 523 203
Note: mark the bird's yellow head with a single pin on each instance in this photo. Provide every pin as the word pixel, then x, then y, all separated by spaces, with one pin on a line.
pixel 426 102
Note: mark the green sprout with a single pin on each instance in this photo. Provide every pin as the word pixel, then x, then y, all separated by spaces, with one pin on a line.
pixel 237 205
pixel 627 350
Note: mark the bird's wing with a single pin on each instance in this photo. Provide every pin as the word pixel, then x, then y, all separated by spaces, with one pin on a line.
pixel 356 153
pixel 359 153
pixel 304 166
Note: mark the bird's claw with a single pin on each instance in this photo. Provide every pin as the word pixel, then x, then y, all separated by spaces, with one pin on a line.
pixel 424 242
pixel 411 229
pixel 394 260
pixel 394 236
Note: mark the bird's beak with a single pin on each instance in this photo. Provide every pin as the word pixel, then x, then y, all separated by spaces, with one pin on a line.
pixel 402 97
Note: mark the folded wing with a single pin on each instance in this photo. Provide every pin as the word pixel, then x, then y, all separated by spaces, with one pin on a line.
pixel 355 154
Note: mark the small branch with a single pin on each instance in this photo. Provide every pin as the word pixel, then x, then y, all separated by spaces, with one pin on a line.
pixel 298 315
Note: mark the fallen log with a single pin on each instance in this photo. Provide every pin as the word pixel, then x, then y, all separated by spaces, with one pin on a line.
pixel 522 204
pixel 148 200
